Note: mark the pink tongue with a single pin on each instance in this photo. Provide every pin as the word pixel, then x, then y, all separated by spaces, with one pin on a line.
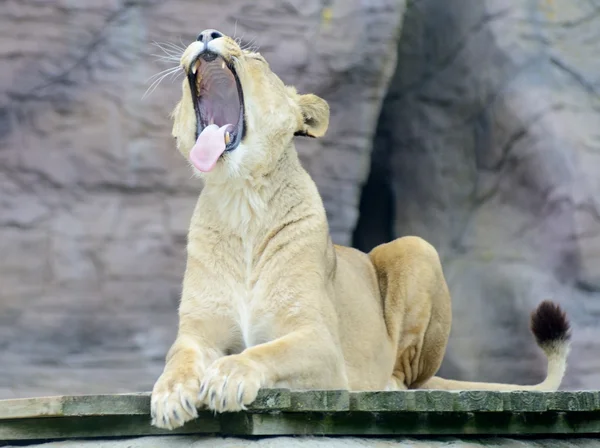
pixel 209 147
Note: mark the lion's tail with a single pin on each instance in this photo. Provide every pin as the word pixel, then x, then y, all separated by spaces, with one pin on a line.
pixel 550 326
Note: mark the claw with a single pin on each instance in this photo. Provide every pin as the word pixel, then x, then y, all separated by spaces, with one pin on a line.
pixel 213 395
pixel 240 393
pixel 224 385
pixel 188 407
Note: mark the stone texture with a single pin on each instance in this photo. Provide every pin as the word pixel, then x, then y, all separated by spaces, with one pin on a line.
pixel 95 200
pixel 488 147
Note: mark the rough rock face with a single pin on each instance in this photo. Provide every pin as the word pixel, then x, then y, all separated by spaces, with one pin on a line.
pixel 94 199
pixel 488 146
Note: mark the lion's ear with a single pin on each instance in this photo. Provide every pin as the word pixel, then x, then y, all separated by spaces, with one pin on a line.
pixel 315 115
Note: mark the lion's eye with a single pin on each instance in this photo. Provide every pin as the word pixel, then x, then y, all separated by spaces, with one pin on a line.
pixel 256 57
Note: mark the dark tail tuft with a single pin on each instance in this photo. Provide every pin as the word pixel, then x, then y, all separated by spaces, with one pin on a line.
pixel 550 325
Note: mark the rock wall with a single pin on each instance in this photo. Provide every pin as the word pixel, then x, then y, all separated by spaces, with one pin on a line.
pixel 94 198
pixel 488 146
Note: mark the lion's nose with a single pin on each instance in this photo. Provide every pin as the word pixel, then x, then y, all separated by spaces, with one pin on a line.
pixel 207 35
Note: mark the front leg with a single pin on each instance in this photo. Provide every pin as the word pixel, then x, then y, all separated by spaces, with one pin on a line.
pixel 305 358
pixel 175 394
pixel 204 335
pixel 207 328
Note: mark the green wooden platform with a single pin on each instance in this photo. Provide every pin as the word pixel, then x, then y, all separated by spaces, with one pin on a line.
pixel 279 412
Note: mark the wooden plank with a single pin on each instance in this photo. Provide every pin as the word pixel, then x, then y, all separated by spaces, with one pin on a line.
pixel 272 399
pixel 474 401
pixel 413 424
pixel 311 423
pixel 581 401
pixel 30 407
pixel 319 400
pixel 98 426
pixel 115 404
pixel 308 401
pixel 124 404
pixel 77 405
pixel 284 412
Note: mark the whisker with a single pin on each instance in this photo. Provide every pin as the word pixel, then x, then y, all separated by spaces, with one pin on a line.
pixel 171 46
pixel 166 55
pixel 153 87
pixel 160 78
pixel 175 74
pixel 171 55
pixel 172 72
pixel 165 58
pixel 170 51
pixel 162 46
pixel 249 45
pixel 169 70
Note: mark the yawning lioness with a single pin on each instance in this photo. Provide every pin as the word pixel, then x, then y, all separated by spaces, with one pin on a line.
pixel 268 300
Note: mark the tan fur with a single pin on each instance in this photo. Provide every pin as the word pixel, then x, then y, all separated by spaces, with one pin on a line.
pixel 268 300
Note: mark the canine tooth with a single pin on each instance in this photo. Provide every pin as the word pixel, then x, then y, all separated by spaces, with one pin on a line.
pixel 212 120
pixel 227 138
pixel 195 67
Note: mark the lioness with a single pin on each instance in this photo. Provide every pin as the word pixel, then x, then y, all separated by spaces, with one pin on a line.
pixel 268 300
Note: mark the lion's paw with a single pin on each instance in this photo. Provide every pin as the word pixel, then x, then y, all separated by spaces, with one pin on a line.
pixel 174 402
pixel 230 384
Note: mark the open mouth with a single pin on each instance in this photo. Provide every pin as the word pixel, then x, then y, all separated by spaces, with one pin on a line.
pixel 219 105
